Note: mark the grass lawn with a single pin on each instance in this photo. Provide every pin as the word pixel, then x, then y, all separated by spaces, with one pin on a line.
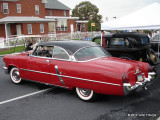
pixel 12 50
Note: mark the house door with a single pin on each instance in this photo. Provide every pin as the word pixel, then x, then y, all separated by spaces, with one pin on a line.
pixel 18 27
pixel 51 27
pixel 79 27
pixel 72 29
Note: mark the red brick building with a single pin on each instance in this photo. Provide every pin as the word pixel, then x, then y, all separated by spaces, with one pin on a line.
pixel 36 17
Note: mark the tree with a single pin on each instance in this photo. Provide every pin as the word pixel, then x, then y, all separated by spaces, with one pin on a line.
pixel 88 11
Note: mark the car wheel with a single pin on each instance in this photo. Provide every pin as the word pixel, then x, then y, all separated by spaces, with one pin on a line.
pixel 152 57
pixel 86 94
pixel 15 76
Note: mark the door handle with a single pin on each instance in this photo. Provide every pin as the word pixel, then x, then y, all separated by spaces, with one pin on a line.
pixel 48 61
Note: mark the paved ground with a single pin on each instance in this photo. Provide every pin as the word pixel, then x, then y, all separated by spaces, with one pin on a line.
pixel 62 104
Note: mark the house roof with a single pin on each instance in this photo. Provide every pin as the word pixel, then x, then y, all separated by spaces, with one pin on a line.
pixel 82 21
pixel 55 4
pixel 60 17
pixel 17 19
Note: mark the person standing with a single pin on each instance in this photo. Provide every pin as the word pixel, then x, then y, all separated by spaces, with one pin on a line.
pixel 29 46
pixel 86 37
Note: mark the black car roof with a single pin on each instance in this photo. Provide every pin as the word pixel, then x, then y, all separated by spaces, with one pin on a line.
pixel 71 46
pixel 125 34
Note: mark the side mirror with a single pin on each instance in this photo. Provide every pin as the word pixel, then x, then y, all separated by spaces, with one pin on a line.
pixel 28 54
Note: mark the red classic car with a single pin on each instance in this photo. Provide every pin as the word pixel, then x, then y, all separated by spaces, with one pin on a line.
pixel 78 65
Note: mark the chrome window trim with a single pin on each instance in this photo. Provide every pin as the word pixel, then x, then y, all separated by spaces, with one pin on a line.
pixel 71 57
pixel 82 79
pixel 85 47
pixel 62 49
pixel 90 59
pixel 52 54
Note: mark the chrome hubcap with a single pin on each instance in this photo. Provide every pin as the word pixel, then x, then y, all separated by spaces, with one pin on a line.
pixel 85 92
pixel 16 75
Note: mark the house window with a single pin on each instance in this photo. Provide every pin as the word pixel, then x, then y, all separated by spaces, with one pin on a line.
pixel 84 27
pixel 18 8
pixel 41 28
pixel 50 12
pixel 37 9
pixel 29 26
pixel 65 13
pixel 5 8
pixel 62 25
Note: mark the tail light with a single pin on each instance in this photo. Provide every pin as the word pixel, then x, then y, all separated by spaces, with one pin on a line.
pixel 150 68
pixel 125 78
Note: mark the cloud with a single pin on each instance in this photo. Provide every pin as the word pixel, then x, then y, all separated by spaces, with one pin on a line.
pixel 111 8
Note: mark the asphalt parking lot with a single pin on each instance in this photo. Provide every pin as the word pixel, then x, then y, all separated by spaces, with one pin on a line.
pixel 32 101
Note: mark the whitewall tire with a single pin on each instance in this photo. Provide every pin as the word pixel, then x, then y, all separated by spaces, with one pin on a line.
pixel 85 94
pixel 15 76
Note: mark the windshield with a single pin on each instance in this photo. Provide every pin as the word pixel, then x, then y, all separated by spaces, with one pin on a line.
pixel 89 53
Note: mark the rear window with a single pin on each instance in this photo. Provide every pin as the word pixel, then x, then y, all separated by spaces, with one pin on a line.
pixel 145 40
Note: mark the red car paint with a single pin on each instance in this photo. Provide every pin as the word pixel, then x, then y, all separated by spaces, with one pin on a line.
pixel 102 75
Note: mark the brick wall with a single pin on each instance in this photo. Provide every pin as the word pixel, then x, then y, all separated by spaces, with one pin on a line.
pixel 2 30
pixel 56 12
pixel 69 22
pixel 27 8
pixel 35 28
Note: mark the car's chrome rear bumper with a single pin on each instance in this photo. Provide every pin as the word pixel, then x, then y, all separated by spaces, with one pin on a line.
pixel 5 70
pixel 127 87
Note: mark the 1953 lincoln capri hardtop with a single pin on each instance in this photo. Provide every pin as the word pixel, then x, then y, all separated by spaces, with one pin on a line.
pixel 80 65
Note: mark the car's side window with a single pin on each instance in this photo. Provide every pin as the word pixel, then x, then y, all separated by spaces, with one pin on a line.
pixel 59 53
pixel 117 41
pixel 43 51
pixel 145 40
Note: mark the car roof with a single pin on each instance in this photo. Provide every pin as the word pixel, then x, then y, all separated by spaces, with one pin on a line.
pixel 71 46
pixel 125 34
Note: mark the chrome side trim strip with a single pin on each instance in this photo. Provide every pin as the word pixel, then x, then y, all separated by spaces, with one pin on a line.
pixel 58 74
pixel 36 71
pixel 72 77
pixel 91 80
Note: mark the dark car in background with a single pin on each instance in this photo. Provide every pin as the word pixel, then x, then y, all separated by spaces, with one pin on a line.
pixel 129 45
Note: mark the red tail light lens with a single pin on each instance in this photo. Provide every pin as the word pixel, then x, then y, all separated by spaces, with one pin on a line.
pixel 125 78
pixel 150 68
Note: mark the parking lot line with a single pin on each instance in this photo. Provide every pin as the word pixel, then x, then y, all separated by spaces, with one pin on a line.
pixel 24 96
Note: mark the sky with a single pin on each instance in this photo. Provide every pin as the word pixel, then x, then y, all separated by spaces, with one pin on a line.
pixel 113 8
